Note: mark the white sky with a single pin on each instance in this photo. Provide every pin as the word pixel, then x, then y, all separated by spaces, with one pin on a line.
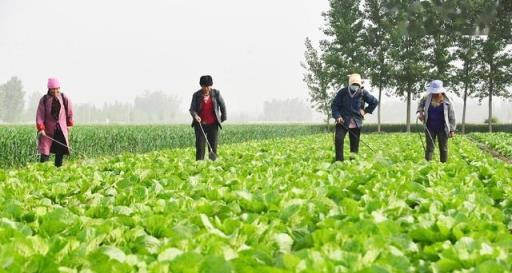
pixel 114 50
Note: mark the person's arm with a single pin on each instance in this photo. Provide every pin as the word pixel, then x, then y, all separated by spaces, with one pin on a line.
pixel 451 119
pixel 40 116
pixel 335 106
pixel 421 108
pixel 222 106
pixel 372 102
pixel 192 110
pixel 69 115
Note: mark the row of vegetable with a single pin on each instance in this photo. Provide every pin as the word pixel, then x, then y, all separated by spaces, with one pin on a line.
pixel 500 142
pixel 279 205
pixel 18 143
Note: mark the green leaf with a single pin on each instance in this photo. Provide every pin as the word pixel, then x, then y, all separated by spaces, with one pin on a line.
pixel 215 264
pixel 187 262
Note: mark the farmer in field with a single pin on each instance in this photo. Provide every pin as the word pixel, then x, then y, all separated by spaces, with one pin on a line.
pixel 348 109
pixel 208 112
pixel 54 118
pixel 436 111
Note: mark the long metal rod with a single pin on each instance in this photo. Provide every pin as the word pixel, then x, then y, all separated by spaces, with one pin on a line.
pixel 421 138
pixel 358 137
pixel 208 142
pixel 58 142
pixel 429 135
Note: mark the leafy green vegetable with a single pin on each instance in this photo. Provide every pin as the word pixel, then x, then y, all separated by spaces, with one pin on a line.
pixel 279 205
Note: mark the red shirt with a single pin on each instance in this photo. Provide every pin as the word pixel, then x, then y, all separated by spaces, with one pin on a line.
pixel 207 113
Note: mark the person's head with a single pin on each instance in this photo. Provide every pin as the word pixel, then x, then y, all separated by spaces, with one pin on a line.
pixel 436 88
pixel 355 82
pixel 206 82
pixel 437 96
pixel 53 86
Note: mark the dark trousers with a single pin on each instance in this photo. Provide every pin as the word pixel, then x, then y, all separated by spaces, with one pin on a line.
pixel 353 134
pixel 59 158
pixel 212 133
pixel 57 148
pixel 442 142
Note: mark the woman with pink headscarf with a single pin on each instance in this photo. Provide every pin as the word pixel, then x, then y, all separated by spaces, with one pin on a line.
pixel 53 119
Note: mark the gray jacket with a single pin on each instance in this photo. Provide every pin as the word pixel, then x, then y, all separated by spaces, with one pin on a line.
pixel 449 115
pixel 218 106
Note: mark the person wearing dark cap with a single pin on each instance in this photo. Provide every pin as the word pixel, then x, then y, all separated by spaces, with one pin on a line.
pixel 208 111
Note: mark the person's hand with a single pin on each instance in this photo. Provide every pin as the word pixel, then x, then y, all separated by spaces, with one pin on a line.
pixel 421 116
pixel 198 119
pixel 452 134
pixel 362 113
pixel 339 120
pixel 42 133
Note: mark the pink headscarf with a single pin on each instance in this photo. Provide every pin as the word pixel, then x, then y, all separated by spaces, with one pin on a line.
pixel 53 83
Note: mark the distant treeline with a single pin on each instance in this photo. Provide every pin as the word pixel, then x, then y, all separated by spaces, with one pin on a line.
pixel 152 107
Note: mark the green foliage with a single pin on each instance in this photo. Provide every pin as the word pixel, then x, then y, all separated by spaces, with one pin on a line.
pixel 18 143
pixel 496 57
pixel 466 78
pixel 501 142
pixel 11 100
pixel 317 80
pixel 344 51
pixel 278 205
pixel 378 39
pixel 440 30
pixel 401 45
pixel 493 120
pixel 409 45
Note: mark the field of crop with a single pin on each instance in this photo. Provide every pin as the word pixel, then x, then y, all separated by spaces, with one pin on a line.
pixel 500 142
pixel 277 205
pixel 18 143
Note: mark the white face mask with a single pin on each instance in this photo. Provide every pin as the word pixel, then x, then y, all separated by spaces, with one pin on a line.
pixel 354 88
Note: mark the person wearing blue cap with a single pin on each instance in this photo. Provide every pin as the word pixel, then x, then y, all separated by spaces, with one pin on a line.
pixel 436 112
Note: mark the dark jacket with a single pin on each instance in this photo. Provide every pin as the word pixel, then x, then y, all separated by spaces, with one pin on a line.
pixel 349 108
pixel 449 115
pixel 218 106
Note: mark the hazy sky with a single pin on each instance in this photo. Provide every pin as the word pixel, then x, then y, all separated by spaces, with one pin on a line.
pixel 114 50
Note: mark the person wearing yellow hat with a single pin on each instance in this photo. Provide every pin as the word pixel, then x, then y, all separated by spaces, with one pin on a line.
pixel 348 109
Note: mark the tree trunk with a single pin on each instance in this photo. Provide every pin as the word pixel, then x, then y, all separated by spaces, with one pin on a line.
pixel 327 119
pixel 380 103
pixel 466 86
pixel 464 108
pixel 489 121
pixel 408 122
